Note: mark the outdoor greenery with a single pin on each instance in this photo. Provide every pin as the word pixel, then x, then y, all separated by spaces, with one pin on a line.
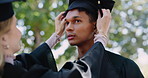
pixel 128 32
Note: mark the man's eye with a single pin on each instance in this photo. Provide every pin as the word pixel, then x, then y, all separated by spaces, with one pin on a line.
pixel 77 21
pixel 66 23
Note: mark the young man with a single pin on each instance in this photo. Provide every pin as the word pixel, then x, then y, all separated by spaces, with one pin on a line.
pixel 40 63
pixel 81 27
pixel 94 61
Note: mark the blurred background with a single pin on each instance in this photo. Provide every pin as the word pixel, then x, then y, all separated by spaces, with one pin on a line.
pixel 128 32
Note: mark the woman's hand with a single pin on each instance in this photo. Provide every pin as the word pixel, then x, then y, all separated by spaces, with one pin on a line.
pixel 59 24
pixel 59 30
pixel 103 23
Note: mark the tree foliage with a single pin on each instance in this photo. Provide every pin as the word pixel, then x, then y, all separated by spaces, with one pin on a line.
pixel 128 31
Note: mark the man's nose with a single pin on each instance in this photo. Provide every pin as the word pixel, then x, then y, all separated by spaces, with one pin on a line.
pixel 70 27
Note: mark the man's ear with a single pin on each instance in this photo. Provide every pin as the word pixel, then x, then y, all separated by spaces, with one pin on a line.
pixel 94 24
pixel 95 28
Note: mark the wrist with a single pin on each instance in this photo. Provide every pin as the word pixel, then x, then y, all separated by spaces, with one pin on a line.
pixel 101 32
pixel 59 33
pixel 53 40
pixel 9 59
pixel 101 38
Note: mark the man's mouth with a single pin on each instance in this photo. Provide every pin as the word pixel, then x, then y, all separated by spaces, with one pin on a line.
pixel 70 36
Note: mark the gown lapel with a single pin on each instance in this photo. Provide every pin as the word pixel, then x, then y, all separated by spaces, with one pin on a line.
pixel 103 67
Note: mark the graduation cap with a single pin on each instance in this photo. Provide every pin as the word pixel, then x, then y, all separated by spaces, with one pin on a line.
pixel 91 5
pixel 6 9
pixel 106 4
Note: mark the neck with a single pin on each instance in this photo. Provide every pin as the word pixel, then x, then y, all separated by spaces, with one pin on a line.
pixel 83 48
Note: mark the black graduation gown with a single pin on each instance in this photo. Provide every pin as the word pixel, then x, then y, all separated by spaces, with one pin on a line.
pixel 116 65
pixel 103 64
pixel 41 64
pixel 111 65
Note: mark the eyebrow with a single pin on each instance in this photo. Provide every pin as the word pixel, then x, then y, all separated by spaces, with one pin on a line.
pixel 77 17
pixel 74 17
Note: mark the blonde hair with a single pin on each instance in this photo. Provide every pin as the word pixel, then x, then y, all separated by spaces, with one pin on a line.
pixel 1 62
pixel 4 28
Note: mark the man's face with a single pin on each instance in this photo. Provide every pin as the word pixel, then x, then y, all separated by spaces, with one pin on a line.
pixel 79 29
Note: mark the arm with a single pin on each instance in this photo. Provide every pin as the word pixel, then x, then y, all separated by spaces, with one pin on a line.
pixel 43 54
pixel 53 40
pixel 39 71
pixel 83 67
pixel 101 34
pixel 59 30
pixel 80 68
pixel 103 24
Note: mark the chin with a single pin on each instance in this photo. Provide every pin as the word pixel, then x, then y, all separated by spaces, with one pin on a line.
pixel 18 49
pixel 72 43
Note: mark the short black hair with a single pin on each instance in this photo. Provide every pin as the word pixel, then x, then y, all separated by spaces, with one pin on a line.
pixel 92 15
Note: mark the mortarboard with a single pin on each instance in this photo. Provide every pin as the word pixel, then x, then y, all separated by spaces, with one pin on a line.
pixel 91 5
pixel 106 4
pixel 6 9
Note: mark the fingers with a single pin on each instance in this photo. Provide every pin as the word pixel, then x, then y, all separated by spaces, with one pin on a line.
pixel 60 27
pixel 103 23
pixel 106 13
pixel 63 21
pixel 60 16
pixel 63 24
pixel 99 14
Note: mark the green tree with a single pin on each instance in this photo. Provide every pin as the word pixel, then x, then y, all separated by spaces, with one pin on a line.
pixel 128 30
pixel 129 27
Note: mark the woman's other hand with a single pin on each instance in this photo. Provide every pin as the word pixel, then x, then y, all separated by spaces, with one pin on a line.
pixel 103 23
